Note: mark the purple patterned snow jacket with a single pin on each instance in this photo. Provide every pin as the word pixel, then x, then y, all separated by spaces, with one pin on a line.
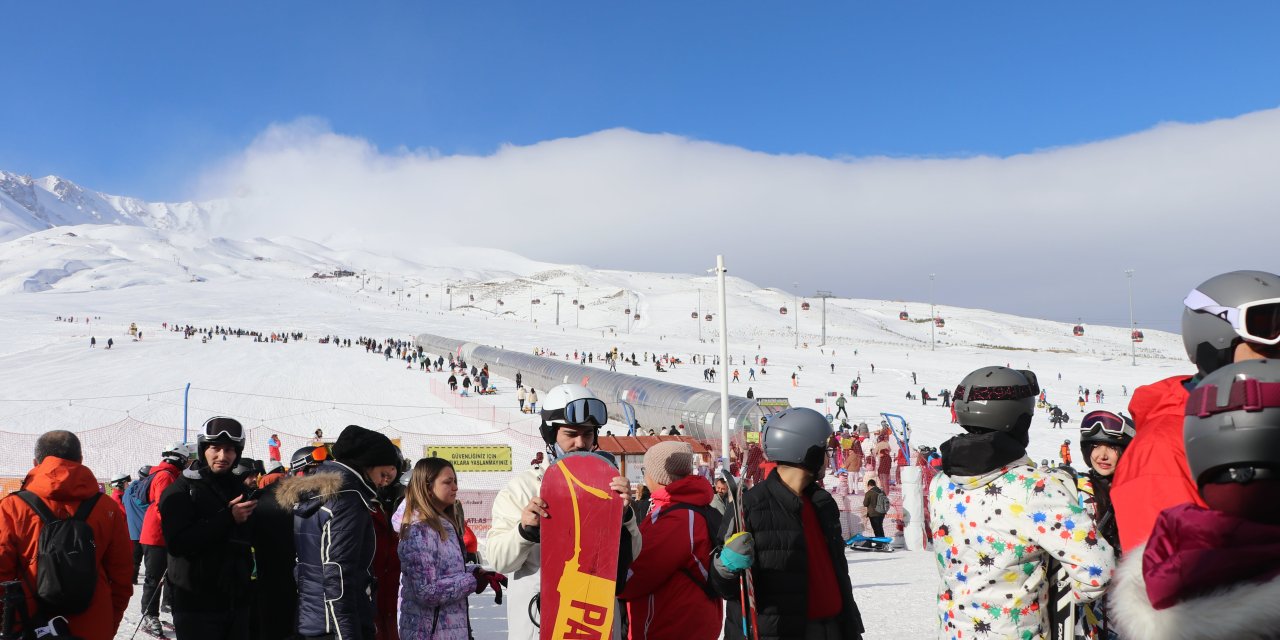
pixel 434 584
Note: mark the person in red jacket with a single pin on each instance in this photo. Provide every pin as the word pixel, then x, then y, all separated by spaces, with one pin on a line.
pixel 1229 318
pixel 155 555
pixel 667 591
pixel 63 483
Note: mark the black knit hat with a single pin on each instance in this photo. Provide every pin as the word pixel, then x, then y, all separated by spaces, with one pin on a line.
pixel 360 448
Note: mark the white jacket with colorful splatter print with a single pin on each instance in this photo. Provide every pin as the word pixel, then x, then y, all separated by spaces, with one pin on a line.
pixel 994 535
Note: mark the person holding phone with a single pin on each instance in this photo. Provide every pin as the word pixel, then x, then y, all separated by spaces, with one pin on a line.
pixel 205 516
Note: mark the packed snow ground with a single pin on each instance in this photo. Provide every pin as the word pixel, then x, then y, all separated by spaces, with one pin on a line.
pixel 48 373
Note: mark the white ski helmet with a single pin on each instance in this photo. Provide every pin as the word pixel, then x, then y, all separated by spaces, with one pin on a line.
pixel 571 404
pixel 119 479
pixel 178 452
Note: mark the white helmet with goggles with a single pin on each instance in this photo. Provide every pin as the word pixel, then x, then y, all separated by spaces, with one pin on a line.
pixel 571 405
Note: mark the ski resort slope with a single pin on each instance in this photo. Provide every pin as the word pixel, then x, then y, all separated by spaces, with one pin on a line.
pixel 50 378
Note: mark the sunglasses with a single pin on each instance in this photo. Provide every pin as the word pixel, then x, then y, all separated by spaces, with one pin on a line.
pixel 1106 422
pixel 1249 395
pixel 589 412
pixel 220 427
pixel 1257 321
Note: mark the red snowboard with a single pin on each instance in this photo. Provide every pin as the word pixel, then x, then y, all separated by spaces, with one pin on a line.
pixel 579 548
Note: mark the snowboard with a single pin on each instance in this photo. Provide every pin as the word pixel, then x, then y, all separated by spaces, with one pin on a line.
pixel 579 548
pixel 868 543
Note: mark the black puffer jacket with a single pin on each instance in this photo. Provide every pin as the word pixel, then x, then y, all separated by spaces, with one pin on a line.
pixel 274 551
pixel 781 573
pixel 333 534
pixel 210 557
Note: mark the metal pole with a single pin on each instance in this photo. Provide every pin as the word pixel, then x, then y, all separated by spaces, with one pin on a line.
pixel 933 319
pixel 824 295
pixel 1132 325
pixel 724 359
pixel 557 293
pixel 186 395
pixel 795 309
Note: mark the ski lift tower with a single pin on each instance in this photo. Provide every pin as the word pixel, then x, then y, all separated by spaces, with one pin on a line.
pixel 824 295
pixel 557 293
pixel 1133 327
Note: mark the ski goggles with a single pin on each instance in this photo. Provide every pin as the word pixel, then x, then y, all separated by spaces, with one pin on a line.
pixel 1107 423
pixel 1005 392
pixel 1249 395
pixel 590 412
pixel 1256 321
pixel 221 428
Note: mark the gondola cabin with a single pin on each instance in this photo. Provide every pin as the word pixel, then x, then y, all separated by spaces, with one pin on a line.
pixel 804 306
pixel 708 317
pixel 939 322
pixel 1136 336
pixel 694 315
pixel 1078 330
pixel 782 311
pixel 903 316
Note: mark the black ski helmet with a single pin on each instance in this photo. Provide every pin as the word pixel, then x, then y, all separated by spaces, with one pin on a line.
pixel 1211 322
pixel 1104 427
pixel 1232 429
pixel 797 436
pixel 996 398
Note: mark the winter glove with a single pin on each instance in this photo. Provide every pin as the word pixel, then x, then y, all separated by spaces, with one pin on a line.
pixel 496 582
pixel 737 555
pixel 482 580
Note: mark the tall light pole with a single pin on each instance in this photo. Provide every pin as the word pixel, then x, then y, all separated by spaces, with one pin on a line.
pixel 724 360
pixel 1133 346
pixel 933 319
pixel 824 295
pixel 557 293
pixel 795 309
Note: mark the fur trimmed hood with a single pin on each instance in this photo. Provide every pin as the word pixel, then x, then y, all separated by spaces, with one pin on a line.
pixel 297 489
pixel 1242 611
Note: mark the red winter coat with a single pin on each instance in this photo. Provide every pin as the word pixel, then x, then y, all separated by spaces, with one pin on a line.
pixel 63 485
pixel 662 599
pixel 1153 474
pixel 165 473
pixel 386 572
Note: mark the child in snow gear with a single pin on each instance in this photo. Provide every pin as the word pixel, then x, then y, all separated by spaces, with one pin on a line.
pixel 790 541
pixel 998 520
pixel 668 592
pixel 1211 573
pixel 1064 453
pixel 571 421
pixel 1229 317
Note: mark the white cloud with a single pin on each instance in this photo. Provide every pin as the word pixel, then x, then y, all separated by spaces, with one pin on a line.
pixel 1045 233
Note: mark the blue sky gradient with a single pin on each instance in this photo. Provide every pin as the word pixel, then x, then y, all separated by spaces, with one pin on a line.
pixel 138 98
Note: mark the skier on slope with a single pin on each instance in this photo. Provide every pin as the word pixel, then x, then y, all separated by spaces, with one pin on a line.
pixel 998 520
pixel 571 421
pixel 791 543
pixel 1228 318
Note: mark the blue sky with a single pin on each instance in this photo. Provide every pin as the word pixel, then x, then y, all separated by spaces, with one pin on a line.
pixel 139 97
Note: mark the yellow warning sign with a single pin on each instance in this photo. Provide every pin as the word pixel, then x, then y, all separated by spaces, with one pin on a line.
pixel 473 458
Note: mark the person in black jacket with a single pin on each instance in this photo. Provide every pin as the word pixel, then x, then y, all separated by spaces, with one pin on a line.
pixel 334 535
pixel 205 517
pixel 791 542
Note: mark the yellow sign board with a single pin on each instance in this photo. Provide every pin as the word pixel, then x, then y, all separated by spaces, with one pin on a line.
pixel 474 457
pixel 753 436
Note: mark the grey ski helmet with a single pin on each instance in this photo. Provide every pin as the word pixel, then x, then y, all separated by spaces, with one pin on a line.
pixel 996 398
pixel 1213 322
pixel 797 436
pixel 1232 429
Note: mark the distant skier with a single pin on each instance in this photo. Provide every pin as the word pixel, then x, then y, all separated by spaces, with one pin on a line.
pixel 110 342
pixel 93 342
pixel 913 377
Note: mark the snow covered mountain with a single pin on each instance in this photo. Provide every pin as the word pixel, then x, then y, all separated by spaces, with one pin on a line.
pixel 31 204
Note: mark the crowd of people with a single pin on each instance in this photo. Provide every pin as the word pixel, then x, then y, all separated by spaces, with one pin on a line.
pixel 1170 534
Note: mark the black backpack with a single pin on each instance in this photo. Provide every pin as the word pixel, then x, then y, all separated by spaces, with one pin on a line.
pixel 714 519
pixel 66 561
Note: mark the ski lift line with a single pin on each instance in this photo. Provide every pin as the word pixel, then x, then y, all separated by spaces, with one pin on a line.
pixel 129 395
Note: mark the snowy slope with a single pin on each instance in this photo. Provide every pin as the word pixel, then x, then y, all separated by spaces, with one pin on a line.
pixel 119 274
